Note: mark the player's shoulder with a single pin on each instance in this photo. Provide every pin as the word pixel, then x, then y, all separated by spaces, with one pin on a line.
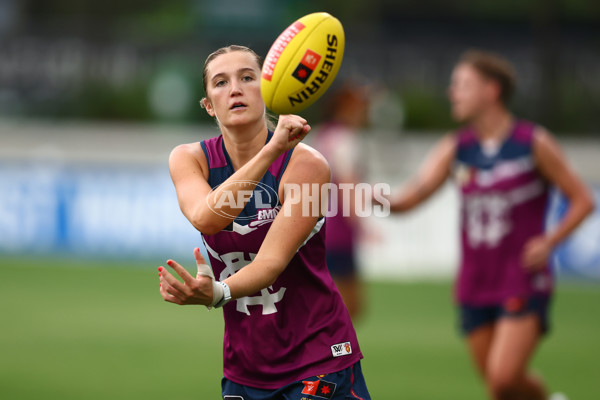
pixel 540 132
pixel 448 143
pixel 543 141
pixel 463 136
pixel 308 155
pixel 308 160
pixel 187 154
pixel 186 150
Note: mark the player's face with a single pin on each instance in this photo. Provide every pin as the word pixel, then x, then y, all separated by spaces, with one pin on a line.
pixel 233 89
pixel 469 92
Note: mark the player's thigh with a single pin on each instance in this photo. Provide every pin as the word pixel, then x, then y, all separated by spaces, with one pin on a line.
pixel 477 326
pixel 479 342
pixel 514 342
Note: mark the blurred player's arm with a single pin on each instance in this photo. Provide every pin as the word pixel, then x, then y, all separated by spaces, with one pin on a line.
pixel 432 174
pixel 292 226
pixel 345 166
pixel 554 167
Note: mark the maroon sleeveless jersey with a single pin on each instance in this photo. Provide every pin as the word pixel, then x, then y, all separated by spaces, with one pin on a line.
pixel 296 328
pixel 504 201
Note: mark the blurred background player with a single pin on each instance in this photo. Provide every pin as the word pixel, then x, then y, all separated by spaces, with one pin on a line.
pixel 337 138
pixel 503 167
pixel 278 298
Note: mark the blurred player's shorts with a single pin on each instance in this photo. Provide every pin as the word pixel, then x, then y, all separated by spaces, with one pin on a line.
pixel 578 255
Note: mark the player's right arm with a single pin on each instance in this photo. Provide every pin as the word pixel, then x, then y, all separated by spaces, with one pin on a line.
pixel 189 172
pixel 432 174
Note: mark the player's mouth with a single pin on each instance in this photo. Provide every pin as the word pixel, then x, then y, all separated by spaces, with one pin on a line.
pixel 238 105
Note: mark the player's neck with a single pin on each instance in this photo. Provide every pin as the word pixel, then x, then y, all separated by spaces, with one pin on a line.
pixel 493 124
pixel 243 143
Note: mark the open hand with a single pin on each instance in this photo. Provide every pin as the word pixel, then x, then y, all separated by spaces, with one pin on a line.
pixel 197 290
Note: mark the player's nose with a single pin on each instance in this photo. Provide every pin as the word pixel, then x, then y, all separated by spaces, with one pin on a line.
pixel 235 89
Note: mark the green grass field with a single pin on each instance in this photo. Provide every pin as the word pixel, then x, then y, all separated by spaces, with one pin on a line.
pixel 100 330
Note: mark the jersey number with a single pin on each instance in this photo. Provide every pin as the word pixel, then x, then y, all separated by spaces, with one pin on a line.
pixel 235 261
pixel 486 220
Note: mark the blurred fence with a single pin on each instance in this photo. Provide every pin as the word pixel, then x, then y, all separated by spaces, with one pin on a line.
pixel 88 190
pixel 141 61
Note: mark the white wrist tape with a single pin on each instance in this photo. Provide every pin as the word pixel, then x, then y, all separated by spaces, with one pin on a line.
pixel 218 293
pixel 218 288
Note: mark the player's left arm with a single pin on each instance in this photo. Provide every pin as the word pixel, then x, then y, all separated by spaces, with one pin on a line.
pixel 554 166
pixel 288 231
pixel 291 227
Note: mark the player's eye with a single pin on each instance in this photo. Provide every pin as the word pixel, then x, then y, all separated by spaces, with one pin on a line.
pixel 220 83
pixel 247 78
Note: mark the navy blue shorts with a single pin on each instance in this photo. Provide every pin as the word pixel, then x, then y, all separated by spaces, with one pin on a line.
pixel 343 385
pixel 472 317
pixel 341 264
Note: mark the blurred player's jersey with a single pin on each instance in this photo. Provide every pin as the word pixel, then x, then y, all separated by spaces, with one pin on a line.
pixel 299 326
pixel 504 200
pixel 340 146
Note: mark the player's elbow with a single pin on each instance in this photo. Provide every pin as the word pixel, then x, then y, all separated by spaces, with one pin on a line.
pixel 269 281
pixel 208 229
pixel 401 206
pixel 588 202
pixel 205 224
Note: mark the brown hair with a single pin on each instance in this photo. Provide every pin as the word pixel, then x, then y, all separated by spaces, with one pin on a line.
pixel 494 67
pixel 225 50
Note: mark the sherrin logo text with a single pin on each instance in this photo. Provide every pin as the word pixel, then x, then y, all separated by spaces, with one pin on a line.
pixel 320 78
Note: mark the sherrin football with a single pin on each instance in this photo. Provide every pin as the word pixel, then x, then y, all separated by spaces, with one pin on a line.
pixel 302 63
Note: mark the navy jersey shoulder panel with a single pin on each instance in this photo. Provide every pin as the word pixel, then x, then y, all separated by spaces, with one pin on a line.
pixel 517 145
pixel 286 161
pixel 467 145
pixel 206 155
pixel 521 140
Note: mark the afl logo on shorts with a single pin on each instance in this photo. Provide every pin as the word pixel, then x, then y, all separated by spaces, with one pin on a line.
pixel 514 305
pixel 320 388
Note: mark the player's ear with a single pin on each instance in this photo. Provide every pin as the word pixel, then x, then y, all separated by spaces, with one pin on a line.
pixel 207 105
pixel 494 90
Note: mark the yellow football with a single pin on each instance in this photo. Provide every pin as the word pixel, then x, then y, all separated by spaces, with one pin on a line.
pixel 302 63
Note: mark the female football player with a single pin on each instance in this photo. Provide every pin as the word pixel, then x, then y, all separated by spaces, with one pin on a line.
pixel 503 167
pixel 287 331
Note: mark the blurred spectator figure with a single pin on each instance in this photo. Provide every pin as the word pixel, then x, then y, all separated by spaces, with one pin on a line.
pixel 337 138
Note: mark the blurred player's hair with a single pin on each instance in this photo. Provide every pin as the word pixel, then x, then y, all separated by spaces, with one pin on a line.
pixel 348 95
pixel 492 66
